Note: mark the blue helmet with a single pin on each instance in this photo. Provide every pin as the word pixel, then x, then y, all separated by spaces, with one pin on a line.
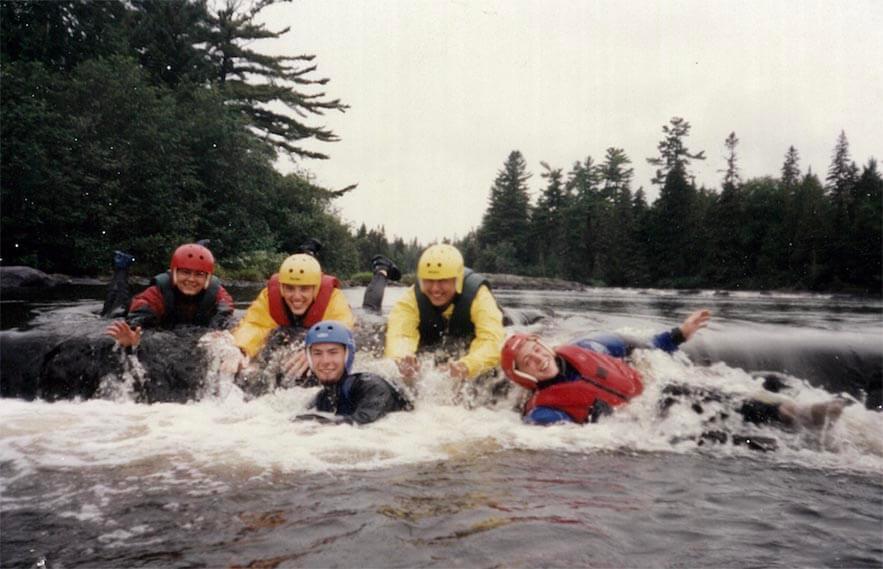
pixel 332 332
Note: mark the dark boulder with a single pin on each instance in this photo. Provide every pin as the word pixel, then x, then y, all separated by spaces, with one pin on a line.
pixel 20 276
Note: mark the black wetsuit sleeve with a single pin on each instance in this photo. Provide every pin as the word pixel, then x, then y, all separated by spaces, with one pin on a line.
pixel 373 398
pixel 222 319
pixel 143 317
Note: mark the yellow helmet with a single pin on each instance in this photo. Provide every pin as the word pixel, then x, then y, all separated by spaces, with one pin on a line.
pixel 441 262
pixel 301 270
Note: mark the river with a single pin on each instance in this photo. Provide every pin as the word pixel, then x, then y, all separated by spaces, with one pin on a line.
pixel 228 482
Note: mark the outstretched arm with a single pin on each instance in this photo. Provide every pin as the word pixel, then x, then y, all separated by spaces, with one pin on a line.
pixel 695 322
pixel 669 341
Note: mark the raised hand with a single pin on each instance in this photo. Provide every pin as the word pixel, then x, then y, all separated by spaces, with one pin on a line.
pixel 695 322
pixel 124 334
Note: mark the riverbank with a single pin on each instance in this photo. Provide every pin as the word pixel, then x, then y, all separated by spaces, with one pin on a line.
pixel 29 277
pixel 22 277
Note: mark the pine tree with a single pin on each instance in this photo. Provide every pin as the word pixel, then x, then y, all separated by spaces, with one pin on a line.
pixel 506 219
pixel 614 174
pixel 63 33
pixel 233 26
pixel 169 37
pixel 673 154
pixel 791 168
pixel 580 219
pixel 675 248
pixel 865 236
pixel 547 229
pixel 842 176
pixel 731 174
pixel 811 253
pixel 616 223
pixel 790 182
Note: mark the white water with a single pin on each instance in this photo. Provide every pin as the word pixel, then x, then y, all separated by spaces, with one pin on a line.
pixel 225 436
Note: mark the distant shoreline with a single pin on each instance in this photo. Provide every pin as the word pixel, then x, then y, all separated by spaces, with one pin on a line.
pixel 22 277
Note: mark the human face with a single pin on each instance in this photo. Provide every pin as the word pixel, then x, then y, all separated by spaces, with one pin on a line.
pixel 439 291
pixel 533 358
pixel 328 362
pixel 190 282
pixel 298 297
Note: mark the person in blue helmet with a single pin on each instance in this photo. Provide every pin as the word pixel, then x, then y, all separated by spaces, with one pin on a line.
pixel 358 398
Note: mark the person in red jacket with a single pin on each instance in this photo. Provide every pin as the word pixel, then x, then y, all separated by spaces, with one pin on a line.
pixel 585 380
pixel 188 294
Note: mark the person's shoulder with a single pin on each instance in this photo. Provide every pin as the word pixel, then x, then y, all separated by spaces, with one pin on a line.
pixel 408 297
pixel 152 292
pixel 484 291
pixel 371 379
pixel 368 376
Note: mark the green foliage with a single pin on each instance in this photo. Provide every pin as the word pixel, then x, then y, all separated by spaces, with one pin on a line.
pixel 362 278
pixel 252 82
pixel 673 153
pixel 130 126
pixel 251 265
pixel 144 124
pixel 505 227
pixel 761 233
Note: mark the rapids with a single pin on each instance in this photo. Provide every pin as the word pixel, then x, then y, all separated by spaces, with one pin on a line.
pixel 226 480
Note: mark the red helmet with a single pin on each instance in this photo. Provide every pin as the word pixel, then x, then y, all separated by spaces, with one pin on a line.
pixel 194 257
pixel 507 360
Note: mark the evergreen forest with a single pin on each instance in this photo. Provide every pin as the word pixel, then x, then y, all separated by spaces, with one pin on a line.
pixel 143 124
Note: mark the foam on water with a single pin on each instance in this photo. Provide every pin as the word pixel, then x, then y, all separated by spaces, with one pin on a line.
pixel 227 437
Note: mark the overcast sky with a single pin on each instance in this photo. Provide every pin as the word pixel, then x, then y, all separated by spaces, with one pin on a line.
pixel 442 91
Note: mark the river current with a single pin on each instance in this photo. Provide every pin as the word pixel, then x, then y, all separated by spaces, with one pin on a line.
pixel 228 482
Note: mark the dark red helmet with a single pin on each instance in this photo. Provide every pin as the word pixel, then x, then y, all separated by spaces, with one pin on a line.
pixel 507 360
pixel 193 257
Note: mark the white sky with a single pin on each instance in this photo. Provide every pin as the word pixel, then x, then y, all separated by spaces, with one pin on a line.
pixel 441 92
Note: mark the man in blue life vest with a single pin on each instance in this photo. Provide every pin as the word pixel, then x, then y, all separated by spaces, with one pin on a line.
pixel 585 380
pixel 352 397
pixel 188 294
pixel 449 302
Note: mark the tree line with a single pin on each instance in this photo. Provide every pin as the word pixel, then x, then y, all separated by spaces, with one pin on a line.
pixel 790 231
pixel 142 124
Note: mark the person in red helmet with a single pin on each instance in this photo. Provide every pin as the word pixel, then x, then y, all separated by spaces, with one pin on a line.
pixel 187 294
pixel 585 380
pixel 581 381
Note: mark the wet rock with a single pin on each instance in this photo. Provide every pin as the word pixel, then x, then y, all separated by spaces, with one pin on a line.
pixel 21 276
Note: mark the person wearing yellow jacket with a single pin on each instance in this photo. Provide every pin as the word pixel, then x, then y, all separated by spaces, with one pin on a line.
pixel 299 295
pixel 448 301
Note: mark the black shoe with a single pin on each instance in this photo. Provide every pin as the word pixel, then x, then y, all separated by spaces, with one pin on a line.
pixel 122 260
pixel 379 262
pixel 311 246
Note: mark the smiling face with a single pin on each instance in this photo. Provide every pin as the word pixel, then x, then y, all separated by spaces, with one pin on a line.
pixel 537 360
pixel 328 362
pixel 298 297
pixel 440 292
pixel 190 282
